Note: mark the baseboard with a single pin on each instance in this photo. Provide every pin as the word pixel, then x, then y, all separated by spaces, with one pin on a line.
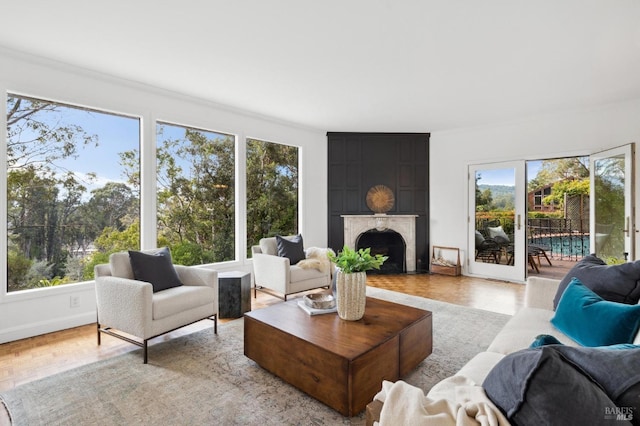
pixel 44 327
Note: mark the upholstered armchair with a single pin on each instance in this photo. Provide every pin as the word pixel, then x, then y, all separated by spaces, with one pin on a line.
pixel 285 275
pixel 147 296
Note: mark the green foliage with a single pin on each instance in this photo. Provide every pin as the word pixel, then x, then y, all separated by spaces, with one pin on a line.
pixel 52 282
pixel 610 260
pixel 18 267
pixel 495 197
pixel 350 261
pixel 272 190
pixel 542 215
pixel 95 259
pixel 112 240
pixel 559 169
pixel 190 254
pixel 53 223
pixel 197 206
pixel 568 187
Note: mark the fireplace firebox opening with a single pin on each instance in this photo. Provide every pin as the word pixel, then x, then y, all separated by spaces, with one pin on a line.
pixel 387 243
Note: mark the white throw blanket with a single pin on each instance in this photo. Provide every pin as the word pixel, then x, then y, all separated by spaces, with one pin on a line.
pixel 405 404
pixel 316 258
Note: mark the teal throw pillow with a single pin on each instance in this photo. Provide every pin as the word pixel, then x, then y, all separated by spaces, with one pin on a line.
pixel 546 340
pixel 592 321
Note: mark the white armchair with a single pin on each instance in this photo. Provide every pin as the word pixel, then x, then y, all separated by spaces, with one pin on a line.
pixel 278 275
pixel 126 305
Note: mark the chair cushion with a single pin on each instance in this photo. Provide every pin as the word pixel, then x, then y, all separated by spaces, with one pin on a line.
pixel 179 299
pixel 120 265
pixel 498 232
pixel 297 274
pixel 592 321
pixel 155 268
pixel 479 239
pixel 268 246
pixel 616 283
pixel 291 248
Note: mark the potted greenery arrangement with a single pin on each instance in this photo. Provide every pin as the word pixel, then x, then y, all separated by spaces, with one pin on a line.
pixel 351 280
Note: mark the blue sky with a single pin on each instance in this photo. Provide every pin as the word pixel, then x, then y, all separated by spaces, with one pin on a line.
pixel 506 176
pixel 115 134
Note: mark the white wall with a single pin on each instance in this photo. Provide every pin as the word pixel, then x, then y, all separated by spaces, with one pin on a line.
pixel 549 136
pixel 44 310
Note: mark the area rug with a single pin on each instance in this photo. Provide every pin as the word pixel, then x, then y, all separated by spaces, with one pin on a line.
pixel 204 379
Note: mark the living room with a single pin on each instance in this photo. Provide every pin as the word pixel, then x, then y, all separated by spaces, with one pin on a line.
pixel 566 87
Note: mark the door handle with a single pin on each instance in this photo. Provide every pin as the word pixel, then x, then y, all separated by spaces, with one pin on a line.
pixel 519 222
pixel 627 230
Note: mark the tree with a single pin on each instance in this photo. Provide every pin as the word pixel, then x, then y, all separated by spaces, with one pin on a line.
pixel 42 197
pixel 38 135
pixel 572 168
pixel 568 187
pixel 272 190
pixel 196 194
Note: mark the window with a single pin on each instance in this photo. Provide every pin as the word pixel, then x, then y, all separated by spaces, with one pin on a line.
pixel 272 190
pixel 196 194
pixel 72 192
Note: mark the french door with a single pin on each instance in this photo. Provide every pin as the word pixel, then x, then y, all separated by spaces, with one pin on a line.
pixel 612 212
pixel 497 220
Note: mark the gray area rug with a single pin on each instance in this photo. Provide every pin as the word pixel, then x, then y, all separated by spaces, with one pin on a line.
pixel 204 379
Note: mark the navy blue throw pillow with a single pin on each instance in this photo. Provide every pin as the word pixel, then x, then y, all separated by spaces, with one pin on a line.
pixel 290 248
pixel 155 268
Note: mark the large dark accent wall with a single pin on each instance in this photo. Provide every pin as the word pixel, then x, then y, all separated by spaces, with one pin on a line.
pixel 359 161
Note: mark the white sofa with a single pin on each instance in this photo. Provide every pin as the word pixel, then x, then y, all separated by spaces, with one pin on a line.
pixel 519 332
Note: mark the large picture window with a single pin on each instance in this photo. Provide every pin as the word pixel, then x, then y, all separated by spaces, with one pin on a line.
pixel 272 190
pixel 71 201
pixel 196 194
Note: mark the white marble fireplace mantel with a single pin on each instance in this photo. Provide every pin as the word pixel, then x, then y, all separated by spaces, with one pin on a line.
pixel 405 225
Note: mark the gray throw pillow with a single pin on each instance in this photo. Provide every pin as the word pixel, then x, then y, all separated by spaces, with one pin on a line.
pixel 539 386
pixel 155 268
pixel 291 248
pixel 615 283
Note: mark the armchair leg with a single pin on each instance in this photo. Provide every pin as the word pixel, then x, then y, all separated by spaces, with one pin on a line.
pixel 98 331
pixel 144 351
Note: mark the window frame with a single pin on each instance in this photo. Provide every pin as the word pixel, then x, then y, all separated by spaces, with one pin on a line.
pixel 42 292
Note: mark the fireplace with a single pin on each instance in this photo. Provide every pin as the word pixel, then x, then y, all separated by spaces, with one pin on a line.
pixel 389 234
pixel 387 243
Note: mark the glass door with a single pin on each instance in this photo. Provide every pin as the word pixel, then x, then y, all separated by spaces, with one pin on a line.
pixel 612 223
pixel 497 220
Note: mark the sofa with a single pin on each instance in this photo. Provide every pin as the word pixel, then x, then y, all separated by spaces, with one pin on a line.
pixel 523 331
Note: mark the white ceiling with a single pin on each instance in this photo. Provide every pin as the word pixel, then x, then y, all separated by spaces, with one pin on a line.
pixel 352 65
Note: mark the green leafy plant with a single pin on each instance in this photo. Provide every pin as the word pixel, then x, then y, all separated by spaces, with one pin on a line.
pixel 350 261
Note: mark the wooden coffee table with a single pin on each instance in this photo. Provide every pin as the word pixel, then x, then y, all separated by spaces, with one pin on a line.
pixel 340 363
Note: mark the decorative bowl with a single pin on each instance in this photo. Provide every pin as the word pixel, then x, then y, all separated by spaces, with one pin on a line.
pixel 320 301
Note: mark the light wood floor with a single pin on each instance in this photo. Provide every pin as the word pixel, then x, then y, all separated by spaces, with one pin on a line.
pixel 30 359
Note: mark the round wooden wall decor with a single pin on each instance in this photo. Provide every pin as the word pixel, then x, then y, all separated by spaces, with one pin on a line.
pixel 380 199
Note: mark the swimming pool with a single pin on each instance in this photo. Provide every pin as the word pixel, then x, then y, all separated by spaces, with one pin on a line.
pixel 564 245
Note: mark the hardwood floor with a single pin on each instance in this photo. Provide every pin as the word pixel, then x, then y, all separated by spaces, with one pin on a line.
pixel 30 359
